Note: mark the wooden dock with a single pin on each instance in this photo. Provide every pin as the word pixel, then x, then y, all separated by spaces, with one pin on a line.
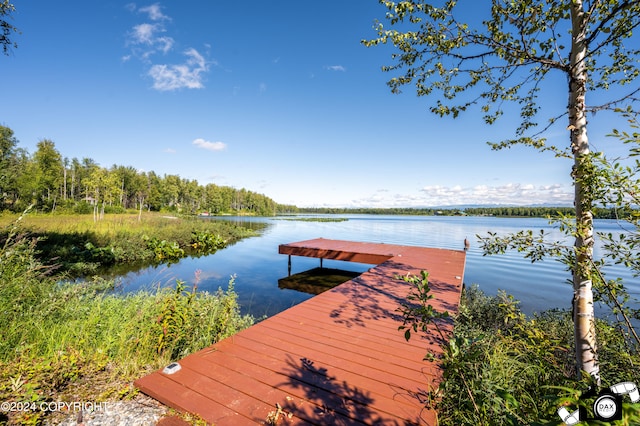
pixel 335 359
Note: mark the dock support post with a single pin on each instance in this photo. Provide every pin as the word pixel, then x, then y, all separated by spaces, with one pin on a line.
pixel 320 263
pixel 289 268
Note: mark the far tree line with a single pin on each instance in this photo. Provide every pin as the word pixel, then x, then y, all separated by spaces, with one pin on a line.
pixel 51 182
pixel 505 211
pixel 541 211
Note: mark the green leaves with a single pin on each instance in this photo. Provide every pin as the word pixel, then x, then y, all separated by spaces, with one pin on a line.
pixel 466 56
pixel 6 29
pixel 535 247
pixel 418 314
pixel 463 61
pixel 206 242
pixel 164 250
pixel 175 315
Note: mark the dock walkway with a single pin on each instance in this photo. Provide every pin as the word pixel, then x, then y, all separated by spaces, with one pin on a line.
pixel 335 359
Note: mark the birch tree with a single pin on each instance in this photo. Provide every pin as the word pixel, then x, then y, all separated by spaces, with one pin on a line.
pixel 49 167
pixel 8 157
pixel 505 55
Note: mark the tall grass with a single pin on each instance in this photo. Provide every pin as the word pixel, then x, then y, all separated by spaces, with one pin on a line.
pixel 81 245
pixel 85 343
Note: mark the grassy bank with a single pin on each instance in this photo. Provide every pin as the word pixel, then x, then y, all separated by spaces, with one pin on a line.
pixel 82 343
pixel 314 219
pixel 79 245
pixel 503 368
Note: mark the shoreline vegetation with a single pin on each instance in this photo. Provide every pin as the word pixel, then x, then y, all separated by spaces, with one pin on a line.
pixel 504 368
pixel 83 342
pixel 67 342
pixel 315 219
pixel 76 245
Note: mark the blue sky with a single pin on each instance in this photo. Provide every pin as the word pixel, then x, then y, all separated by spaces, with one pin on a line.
pixel 278 97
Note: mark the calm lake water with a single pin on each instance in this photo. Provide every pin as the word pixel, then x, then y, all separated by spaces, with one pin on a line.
pixel 257 265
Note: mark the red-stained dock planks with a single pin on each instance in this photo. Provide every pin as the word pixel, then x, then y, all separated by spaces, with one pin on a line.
pixel 337 358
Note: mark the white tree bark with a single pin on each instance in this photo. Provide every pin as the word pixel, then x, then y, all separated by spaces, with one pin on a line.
pixel 583 313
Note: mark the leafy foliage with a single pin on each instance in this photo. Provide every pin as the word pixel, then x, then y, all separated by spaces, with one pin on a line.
pixel 6 29
pixel 163 249
pixel 503 55
pixel 501 367
pixel 417 314
pixel 207 242
pixel 182 317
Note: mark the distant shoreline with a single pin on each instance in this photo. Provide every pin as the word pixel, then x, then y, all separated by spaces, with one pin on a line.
pixel 506 211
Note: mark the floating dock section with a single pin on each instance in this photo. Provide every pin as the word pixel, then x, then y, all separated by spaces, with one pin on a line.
pixel 335 359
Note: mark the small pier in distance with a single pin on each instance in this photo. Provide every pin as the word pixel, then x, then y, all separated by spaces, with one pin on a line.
pixel 337 358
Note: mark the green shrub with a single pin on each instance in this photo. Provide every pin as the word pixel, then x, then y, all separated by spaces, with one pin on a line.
pixel 503 368
pixel 207 242
pixel 189 321
pixel 163 249
pixel 82 207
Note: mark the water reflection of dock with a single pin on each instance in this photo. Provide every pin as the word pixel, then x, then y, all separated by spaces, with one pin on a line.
pixel 316 281
pixel 337 358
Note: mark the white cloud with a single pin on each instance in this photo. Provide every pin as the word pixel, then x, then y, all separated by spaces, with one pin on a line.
pixel 188 75
pixel 165 44
pixel 336 68
pixel 150 38
pixel 144 33
pixel 515 194
pixel 508 194
pixel 146 40
pixel 155 12
pixel 211 146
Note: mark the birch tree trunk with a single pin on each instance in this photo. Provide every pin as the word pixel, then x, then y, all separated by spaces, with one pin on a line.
pixel 141 200
pixel 583 313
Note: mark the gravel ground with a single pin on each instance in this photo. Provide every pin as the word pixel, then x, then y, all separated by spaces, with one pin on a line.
pixel 141 411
